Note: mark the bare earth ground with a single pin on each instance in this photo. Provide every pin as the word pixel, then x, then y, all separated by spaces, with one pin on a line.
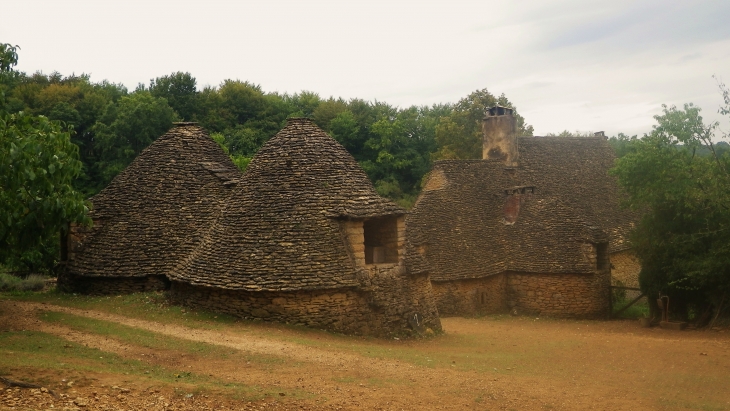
pixel 499 363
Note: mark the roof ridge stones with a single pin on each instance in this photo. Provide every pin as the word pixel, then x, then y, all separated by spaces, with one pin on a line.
pixel 280 231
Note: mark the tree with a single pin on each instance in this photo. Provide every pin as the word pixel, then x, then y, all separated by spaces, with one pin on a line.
pixel 38 163
pixel 127 128
pixel 683 238
pixel 179 89
pixel 566 133
pixel 459 135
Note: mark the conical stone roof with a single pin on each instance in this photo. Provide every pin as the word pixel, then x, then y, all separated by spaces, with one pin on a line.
pixel 280 231
pixel 155 212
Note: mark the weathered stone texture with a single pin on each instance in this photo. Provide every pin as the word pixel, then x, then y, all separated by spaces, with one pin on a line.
pixel 280 231
pixel 383 308
pixel 499 130
pixel 155 212
pixel 112 286
pixel 554 214
pixel 475 296
pixel 555 295
pixel 305 238
pixel 625 267
pixel 559 295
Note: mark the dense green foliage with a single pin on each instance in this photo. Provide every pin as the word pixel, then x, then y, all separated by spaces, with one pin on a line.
pixel 38 164
pixel 459 131
pixel 395 146
pixel 680 181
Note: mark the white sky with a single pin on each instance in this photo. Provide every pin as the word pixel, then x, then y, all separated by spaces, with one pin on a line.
pixel 565 64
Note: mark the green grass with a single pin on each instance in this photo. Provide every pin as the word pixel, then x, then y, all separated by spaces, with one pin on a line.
pixel 638 310
pixel 38 354
pixel 148 339
pixel 151 306
pixel 46 351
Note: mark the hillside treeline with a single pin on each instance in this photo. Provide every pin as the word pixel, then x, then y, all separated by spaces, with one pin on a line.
pixel 112 125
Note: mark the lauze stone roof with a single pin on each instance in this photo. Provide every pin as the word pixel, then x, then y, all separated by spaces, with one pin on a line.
pixel 280 230
pixel 155 212
pixel 478 217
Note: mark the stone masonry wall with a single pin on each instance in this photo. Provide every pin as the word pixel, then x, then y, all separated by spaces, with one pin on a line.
pixel 385 300
pixel 350 311
pixel 76 236
pixel 471 297
pixel 112 285
pixel 559 295
pixel 625 268
pixel 554 295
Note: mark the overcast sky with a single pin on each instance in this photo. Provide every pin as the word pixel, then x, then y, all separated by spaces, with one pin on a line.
pixel 565 64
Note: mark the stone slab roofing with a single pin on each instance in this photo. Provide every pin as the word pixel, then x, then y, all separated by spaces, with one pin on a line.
pixel 281 229
pixel 154 212
pixel 477 217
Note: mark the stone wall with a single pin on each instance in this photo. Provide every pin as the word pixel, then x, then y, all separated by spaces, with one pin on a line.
pixel 395 239
pixel 381 309
pixel 559 295
pixel 76 236
pixel 471 297
pixel 112 285
pixel 625 267
pixel 553 295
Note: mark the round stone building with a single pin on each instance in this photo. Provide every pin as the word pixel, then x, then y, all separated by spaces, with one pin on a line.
pixel 305 239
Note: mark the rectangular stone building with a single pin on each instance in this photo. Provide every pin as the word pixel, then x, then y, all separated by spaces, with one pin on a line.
pixel 530 228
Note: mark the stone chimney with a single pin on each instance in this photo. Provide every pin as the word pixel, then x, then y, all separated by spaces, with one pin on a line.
pixel 499 136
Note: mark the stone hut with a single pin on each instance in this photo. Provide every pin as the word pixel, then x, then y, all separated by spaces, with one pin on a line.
pixel 151 216
pixel 305 239
pixel 531 228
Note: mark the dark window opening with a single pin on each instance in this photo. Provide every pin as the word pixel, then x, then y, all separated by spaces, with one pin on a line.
pixel 483 298
pixel 381 240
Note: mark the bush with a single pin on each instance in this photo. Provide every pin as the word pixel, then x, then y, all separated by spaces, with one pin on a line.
pixel 638 310
pixel 33 282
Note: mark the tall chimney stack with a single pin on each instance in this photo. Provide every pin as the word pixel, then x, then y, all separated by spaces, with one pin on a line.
pixel 499 141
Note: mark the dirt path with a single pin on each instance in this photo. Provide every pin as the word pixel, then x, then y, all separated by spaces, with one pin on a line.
pixel 552 365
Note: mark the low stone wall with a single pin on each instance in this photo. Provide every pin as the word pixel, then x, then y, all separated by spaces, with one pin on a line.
pixel 107 286
pixel 471 297
pixel 559 295
pixel 380 309
pixel 554 295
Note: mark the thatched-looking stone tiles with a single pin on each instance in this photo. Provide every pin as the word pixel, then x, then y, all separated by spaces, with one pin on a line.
pixel 477 218
pixel 281 230
pixel 156 211
pixel 305 239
